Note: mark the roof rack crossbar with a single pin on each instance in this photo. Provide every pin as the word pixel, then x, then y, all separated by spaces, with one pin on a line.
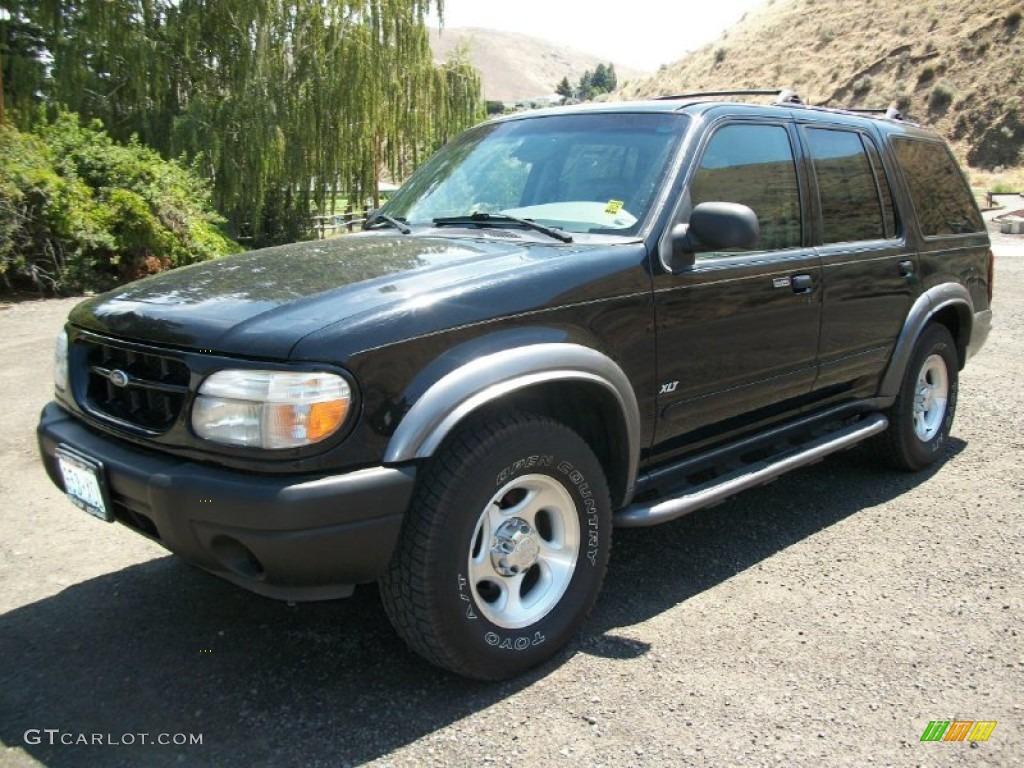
pixel 784 95
pixel 892 113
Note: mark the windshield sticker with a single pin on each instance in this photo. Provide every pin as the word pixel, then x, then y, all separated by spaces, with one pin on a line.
pixel 614 206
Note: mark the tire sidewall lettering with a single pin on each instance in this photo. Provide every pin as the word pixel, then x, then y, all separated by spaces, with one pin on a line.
pixel 590 523
pixel 516 468
pixel 514 643
pixel 590 513
pixel 430 594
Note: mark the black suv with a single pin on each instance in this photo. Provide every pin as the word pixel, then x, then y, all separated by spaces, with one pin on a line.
pixel 566 320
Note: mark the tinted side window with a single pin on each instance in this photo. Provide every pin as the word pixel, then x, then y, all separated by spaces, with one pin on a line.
pixel 938 190
pixel 850 206
pixel 892 227
pixel 753 165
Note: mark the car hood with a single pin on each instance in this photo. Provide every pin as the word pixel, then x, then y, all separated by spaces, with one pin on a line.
pixel 261 303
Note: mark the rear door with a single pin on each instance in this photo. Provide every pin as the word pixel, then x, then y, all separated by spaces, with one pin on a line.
pixel 869 274
pixel 738 332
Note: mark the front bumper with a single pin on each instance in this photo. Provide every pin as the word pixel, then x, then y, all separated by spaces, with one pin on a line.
pixel 286 537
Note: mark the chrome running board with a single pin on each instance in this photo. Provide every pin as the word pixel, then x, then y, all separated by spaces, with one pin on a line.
pixel 643 514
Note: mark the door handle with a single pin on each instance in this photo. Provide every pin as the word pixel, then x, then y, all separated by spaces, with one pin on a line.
pixel 906 268
pixel 802 284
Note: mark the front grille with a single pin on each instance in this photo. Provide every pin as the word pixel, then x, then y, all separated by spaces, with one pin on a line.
pixel 139 389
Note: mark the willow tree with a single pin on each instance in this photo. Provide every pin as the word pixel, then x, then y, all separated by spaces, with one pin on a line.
pixel 285 104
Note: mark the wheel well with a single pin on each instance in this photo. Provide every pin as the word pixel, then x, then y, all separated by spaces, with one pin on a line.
pixel 590 411
pixel 958 323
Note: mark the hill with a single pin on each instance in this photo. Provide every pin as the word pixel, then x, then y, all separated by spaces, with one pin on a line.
pixel 518 66
pixel 955 65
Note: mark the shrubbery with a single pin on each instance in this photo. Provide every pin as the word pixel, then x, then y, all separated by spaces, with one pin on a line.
pixel 80 212
pixel 941 96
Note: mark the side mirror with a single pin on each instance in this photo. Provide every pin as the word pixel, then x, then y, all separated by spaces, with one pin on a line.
pixel 714 227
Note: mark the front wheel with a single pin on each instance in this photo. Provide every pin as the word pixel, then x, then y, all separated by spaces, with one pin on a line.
pixel 504 548
pixel 922 416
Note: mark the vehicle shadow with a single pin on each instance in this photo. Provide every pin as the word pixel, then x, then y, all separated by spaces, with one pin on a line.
pixel 652 570
pixel 160 648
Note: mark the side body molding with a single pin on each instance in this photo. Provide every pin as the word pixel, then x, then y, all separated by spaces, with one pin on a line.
pixel 925 307
pixel 488 378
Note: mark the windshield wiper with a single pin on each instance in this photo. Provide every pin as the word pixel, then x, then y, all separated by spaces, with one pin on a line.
pixel 377 217
pixel 482 217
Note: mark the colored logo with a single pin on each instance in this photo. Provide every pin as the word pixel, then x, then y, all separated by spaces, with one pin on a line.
pixel 958 730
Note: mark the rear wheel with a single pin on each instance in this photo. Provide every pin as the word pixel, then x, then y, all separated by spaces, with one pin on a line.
pixel 503 550
pixel 922 416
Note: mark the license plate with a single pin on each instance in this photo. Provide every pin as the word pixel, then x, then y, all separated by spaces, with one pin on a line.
pixel 83 482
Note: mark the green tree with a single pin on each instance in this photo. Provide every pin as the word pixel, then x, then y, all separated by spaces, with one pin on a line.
pixel 564 88
pixel 586 86
pixel 284 105
pixel 22 52
pixel 603 79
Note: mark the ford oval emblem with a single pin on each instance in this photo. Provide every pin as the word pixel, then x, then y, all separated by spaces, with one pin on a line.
pixel 118 378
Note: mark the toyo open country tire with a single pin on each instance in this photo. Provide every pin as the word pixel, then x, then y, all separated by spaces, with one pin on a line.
pixel 922 416
pixel 504 547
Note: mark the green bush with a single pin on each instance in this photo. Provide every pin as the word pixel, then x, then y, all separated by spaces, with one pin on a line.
pixel 862 86
pixel 941 96
pixel 80 212
pixel 902 100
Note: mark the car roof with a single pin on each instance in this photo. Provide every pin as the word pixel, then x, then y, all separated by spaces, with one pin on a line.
pixel 701 103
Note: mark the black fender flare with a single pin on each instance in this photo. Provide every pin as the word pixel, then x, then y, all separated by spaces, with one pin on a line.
pixel 927 305
pixel 459 393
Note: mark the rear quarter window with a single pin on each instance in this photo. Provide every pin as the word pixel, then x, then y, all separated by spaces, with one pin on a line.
pixel 938 190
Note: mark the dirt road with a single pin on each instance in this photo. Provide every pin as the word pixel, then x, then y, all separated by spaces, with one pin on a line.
pixel 822 620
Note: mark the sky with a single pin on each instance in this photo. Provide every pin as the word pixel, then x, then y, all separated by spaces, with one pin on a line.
pixel 639 33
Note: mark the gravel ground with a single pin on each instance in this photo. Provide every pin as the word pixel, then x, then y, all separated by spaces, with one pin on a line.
pixel 822 620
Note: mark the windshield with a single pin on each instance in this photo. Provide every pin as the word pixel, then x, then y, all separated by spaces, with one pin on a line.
pixel 582 173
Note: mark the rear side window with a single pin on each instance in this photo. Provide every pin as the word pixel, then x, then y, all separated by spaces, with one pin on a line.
pixel 753 165
pixel 892 223
pixel 853 206
pixel 938 190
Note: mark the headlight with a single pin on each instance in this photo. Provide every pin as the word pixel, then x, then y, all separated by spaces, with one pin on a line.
pixel 60 362
pixel 270 409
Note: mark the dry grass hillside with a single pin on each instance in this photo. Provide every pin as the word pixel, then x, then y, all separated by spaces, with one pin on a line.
pixel 955 65
pixel 518 66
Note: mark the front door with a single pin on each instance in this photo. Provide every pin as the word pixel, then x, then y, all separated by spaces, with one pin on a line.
pixel 738 332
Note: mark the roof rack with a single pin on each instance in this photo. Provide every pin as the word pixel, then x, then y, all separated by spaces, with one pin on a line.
pixel 891 113
pixel 782 95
